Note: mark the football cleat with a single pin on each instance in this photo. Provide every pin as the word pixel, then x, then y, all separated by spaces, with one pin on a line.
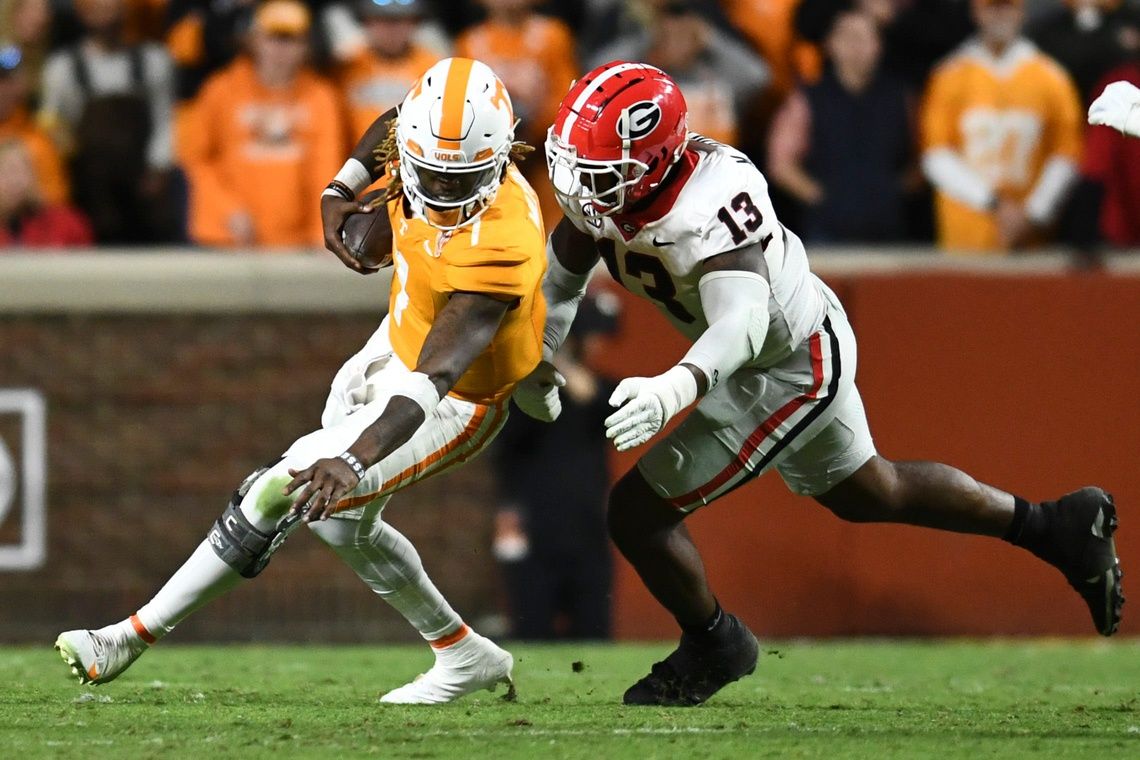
pixel 1083 523
pixel 696 670
pixel 101 656
pixel 471 664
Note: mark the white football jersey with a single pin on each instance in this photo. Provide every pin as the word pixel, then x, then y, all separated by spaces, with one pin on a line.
pixel 724 205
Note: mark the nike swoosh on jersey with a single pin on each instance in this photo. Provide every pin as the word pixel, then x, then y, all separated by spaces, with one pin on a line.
pixel 662 243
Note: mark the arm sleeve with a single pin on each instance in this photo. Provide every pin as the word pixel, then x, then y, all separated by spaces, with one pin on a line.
pixel 160 75
pixel 1051 190
pixel 950 174
pixel 736 306
pixel 563 291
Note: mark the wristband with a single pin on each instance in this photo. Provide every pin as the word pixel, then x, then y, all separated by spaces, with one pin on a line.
pixel 351 460
pixel 355 176
pixel 339 189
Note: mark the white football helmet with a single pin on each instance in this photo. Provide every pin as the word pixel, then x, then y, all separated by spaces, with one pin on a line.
pixel 454 136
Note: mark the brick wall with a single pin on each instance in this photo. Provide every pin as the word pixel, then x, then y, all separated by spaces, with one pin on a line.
pixel 152 422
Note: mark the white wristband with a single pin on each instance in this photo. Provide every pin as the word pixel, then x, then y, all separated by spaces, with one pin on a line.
pixel 355 175
pixel 419 388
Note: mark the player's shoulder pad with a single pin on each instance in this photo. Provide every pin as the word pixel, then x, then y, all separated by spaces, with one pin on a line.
pixel 725 183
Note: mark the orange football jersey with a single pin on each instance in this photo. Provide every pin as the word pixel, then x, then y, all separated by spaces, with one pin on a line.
pixel 502 254
pixel 1005 118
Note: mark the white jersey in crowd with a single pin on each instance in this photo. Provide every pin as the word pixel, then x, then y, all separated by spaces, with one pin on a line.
pixel 723 205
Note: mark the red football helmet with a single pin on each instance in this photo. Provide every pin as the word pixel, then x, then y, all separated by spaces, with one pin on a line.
pixel 617 133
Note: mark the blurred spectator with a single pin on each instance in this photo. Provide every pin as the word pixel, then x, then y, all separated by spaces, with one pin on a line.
pixel 27 219
pixel 915 34
pixel 550 532
pixel 263 137
pixel 1112 165
pixel 768 25
pixel 27 25
pixel 380 76
pixel 347 38
pixel 1088 37
pixel 843 146
pixel 603 22
pixel 109 104
pixel 718 75
pixel 16 124
pixel 1001 131
pixel 534 56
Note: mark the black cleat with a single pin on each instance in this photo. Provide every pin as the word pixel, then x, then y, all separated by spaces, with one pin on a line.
pixel 1082 524
pixel 697 669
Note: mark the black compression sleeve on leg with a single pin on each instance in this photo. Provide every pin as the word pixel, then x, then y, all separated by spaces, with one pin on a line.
pixel 1020 511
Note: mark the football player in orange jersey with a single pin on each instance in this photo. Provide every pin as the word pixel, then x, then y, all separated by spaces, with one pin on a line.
pixel 427 392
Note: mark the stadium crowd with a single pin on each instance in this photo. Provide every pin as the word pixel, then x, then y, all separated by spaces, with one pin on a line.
pixel 958 122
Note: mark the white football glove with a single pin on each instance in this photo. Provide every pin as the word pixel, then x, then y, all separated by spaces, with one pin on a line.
pixel 647 404
pixel 537 393
pixel 1118 107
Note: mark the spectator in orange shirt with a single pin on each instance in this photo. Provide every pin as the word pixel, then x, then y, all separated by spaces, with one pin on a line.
pixel 379 76
pixel 263 138
pixel 531 53
pixel 26 219
pixel 16 124
pixel 534 56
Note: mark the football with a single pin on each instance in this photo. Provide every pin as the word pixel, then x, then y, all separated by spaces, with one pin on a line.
pixel 368 237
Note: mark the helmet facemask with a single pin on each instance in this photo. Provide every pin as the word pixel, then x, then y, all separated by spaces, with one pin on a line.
pixel 588 188
pixel 468 188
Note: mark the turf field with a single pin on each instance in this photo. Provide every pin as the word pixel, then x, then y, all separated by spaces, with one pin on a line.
pixel 864 699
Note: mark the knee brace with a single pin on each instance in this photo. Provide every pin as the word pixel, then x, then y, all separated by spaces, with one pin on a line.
pixel 241 545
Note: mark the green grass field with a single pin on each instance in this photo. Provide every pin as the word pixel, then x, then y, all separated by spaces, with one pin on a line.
pixel 863 699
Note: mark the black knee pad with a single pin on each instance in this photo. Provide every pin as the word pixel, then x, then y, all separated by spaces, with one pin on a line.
pixel 238 543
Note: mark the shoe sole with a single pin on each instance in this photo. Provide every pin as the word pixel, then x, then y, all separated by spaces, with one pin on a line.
pixel 74 661
pixel 1111 577
pixel 507 678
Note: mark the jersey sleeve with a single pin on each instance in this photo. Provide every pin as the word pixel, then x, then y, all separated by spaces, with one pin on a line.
pixel 727 208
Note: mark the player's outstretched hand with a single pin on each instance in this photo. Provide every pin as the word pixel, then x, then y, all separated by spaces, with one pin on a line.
pixel 334 211
pixel 325 483
pixel 647 404
pixel 1118 107
pixel 537 393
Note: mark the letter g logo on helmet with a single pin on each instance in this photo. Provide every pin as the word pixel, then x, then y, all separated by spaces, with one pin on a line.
pixel 638 120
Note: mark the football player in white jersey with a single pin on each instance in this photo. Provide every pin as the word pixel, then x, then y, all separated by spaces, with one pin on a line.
pixel 687 223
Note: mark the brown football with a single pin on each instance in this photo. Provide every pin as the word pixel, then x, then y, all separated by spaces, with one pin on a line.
pixel 368 237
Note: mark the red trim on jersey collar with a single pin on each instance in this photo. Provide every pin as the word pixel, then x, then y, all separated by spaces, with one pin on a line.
pixel 661 201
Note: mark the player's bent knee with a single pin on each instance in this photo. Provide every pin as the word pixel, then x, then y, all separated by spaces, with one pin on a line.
pixel 254 524
pixel 873 493
pixel 636 510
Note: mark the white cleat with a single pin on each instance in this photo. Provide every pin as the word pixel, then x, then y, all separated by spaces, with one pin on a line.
pixel 99 656
pixel 470 664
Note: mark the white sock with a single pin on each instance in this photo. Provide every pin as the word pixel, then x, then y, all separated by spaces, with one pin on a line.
pixel 202 578
pixel 386 561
